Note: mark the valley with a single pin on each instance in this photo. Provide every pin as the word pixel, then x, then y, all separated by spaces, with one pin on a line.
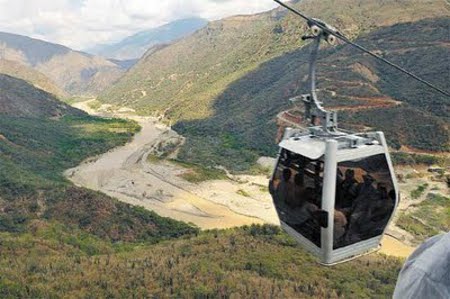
pixel 58 239
pixel 134 175
pixel 229 80
pixel 141 170
pixel 126 173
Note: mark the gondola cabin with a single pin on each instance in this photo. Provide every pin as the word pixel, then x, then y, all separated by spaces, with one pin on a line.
pixel 334 191
pixel 335 196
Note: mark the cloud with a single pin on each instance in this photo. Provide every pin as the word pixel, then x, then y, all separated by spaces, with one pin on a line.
pixel 81 24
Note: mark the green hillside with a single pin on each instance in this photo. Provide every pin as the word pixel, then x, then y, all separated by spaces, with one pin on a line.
pixel 40 138
pixel 252 262
pixel 243 124
pixel 183 79
pixel 22 98
pixel 225 84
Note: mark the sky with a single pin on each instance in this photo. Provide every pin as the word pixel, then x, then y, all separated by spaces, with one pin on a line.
pixel 81 24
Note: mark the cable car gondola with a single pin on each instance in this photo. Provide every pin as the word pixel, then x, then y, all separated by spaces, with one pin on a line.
pixel 335 192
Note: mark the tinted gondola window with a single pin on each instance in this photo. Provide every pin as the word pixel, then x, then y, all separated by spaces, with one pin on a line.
pixel 297 190
pixel 365 200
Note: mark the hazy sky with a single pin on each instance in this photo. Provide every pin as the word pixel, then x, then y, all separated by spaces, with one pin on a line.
pixel 82 23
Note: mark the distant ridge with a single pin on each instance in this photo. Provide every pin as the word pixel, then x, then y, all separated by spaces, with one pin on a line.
pixel 36 78
pixel 135 46
pixel 77 73
pixel 124 64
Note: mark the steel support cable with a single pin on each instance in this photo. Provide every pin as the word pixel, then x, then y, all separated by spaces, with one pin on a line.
pixel 361 48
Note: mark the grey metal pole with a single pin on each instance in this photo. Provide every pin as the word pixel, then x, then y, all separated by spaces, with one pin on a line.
pixel 328 198
pixel 383 142
pixel 312 69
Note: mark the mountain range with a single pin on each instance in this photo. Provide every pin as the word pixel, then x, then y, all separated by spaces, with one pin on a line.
pixel 212 83
pixel 75 73
pixel 133 47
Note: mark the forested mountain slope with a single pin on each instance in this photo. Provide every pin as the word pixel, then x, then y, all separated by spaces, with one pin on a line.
pixel 253 262
pixel 236 74
pixel 243 124
pixel 40 138
pixel 183 80
pixel 75 72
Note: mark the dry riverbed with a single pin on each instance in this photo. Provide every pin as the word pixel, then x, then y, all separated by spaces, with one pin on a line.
pixel 126 174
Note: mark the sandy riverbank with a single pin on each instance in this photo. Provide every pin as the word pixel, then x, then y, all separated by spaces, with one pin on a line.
pixel 126 174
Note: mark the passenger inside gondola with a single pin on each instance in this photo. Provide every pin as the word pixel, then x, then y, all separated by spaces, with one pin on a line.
pixel 340 226
pixel 346 191
pixel 284 187
pixel 366 197
pixel 296 189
